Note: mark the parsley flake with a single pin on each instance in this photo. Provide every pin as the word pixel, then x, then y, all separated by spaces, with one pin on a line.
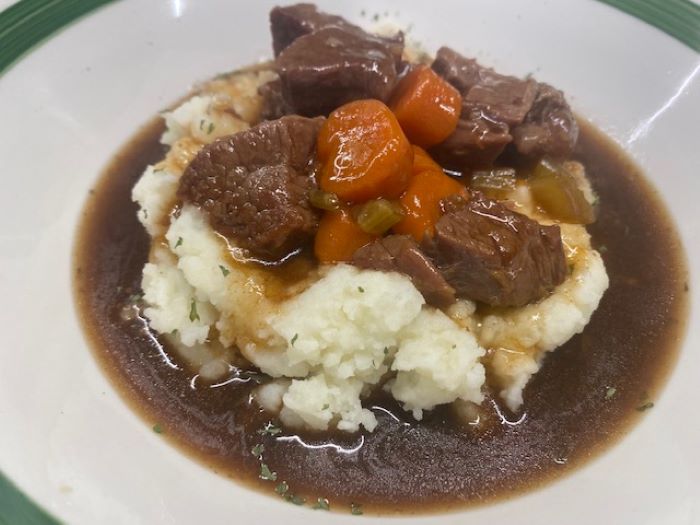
pixel 269 430
pixel 325 407
pixel 157 428
pixel 201 124
pixel 294 339
pixel 282 488
pixel 224 270
pixel 646 406
pixel 135 297
pixel 322 504
pixel 179 242
pixel 610 392
pixel 266 474
pixel 355 509
pixel 360 289
pixel 210 128
pixel 194 315
pixel 293 498
pixel 257 450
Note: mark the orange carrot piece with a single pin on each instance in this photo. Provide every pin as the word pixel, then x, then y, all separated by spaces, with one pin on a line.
pixel 421 201
pixel 426 106
pixel 338 237
pixel 364 154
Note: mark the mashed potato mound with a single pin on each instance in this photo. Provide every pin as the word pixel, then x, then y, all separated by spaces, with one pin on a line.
pixel 342 332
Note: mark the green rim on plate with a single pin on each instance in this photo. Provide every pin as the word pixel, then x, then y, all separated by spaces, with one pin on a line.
pixel 28 23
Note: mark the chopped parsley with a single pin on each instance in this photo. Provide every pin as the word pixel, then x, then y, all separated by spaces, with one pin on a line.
pixel 210 128
pixel 355 509
pixel 269 430
pixel 282 488
pixel 179 242
pixel 293 498
pixel 322 504
pixel 294 339
pixel 360 289
pixel 325 407
pixel 224 270
pixel 266 474
pixel 257 450
pixel 157 428
pixel 194 315
pixel 610 392
pixel 646 406
pixel 201 124
pixel 386 350
pixel 135 297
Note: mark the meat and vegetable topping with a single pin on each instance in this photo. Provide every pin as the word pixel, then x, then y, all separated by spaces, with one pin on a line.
pixel 360 185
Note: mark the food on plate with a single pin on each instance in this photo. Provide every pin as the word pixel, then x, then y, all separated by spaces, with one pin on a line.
pixel 347 243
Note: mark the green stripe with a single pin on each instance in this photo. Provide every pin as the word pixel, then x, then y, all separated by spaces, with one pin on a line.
pixel 17 509
pixel 678 18
pixel 29 22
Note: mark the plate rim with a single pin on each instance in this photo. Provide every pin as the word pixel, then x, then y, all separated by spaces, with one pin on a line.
pixel 28 24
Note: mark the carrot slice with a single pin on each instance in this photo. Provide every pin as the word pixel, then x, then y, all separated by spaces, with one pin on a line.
pixel 364 154
pixel 421 201
pixel 338 237
pixel 426 106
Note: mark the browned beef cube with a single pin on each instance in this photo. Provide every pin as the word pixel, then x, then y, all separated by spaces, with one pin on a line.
pixel 494 255
pixel 331 67
pixel 400 253
pixel 254 186
pixel 549 128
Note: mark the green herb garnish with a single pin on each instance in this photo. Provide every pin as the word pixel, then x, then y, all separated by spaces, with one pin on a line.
pixel 360 289
pixel 355 509
pixel 325 407
pixel 322 504
pixel 294 339
pixel 258 450
pixel 194 315
pixel 293 498
pixel 266 474
pixel 157 428
pixel 645 406
pixel 282 488
pixel 210 128
pixel 610 392
pixel 179 242
pixel 201 124
pixel 269 430
pixel 224 270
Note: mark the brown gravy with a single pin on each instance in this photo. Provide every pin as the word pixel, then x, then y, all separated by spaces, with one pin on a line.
pixel 571 412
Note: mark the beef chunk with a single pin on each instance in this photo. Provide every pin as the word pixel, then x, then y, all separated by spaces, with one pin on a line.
pixel 332 66
pixel 461 72
pixel 400 253
pixel 290 22
pixel 491 104
pixel 491 254
pixel 273 104
pixel 254 185
pixel 475 143
pixel 549 128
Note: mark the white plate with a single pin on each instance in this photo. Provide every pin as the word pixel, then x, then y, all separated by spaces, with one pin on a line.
pixel 68 440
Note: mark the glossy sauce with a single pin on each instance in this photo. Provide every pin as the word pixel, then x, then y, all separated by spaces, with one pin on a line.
pixel 403 466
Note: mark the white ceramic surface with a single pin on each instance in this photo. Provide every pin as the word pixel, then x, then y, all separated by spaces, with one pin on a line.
pixel 73 445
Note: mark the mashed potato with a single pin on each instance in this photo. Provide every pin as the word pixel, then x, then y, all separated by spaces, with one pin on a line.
pixel 344 331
